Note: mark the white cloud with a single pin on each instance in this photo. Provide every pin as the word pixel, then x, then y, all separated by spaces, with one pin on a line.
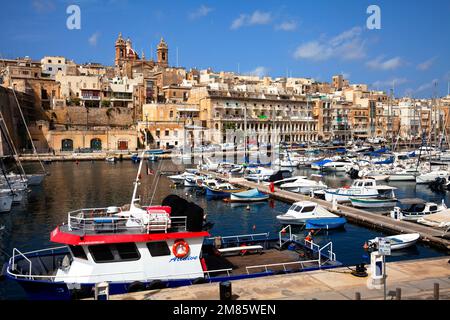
pixel 256 18
pixel 426 86
pixel 94 39
pixel 426 64
pixel 43 6
pixel 260 18
pixel 390 64
pixel 389 83
pixel 346 46
pixel 287 26
pixel 258 72
pixel 203 11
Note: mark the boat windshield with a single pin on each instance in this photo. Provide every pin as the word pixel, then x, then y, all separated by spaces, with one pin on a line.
pixel 417 207
pixel 308 209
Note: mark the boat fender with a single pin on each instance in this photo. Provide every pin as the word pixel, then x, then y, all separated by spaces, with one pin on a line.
pixel 199 281
pixel 156 284
pixel 136 286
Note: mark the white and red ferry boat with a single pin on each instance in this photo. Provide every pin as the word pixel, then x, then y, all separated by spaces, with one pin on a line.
pixel 154 247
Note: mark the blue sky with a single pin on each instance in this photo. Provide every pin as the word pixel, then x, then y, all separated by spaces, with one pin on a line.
pixel 314 39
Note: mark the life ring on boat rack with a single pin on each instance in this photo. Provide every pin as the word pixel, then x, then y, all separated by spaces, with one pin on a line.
pixel 180 249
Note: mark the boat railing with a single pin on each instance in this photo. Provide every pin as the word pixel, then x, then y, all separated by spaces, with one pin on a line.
pixel 282 233
pixel 20 254
pixel 29 275
pixel 244 237
pixel 312 246
pixel 331 254
pixel 97 220
pixel 266 266
pixel 208 272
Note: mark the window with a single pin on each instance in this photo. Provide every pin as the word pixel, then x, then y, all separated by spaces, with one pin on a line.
pixel 50 69
pixel 167 133
pixel 78 252
pixel 101 253
pixel 308 209
pixel 158 249
pixel 128 251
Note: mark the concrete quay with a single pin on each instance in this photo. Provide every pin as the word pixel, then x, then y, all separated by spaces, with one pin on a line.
pixel 432 236
pixel 416 279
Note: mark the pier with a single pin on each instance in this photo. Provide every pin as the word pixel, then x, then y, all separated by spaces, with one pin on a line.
pixel 416 280
pixel 430 235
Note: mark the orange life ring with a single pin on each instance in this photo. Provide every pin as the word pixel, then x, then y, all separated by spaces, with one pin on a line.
pixel 180 249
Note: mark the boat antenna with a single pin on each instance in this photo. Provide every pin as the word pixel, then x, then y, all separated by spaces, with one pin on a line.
pixel 28 131
pixel 136 182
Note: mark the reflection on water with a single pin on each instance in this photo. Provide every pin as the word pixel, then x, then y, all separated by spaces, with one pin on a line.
pixel 99 184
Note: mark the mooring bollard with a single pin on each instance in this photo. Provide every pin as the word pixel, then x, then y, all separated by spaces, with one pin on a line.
pixel 357 296
pixel 436 291
pixel 225 290
pixel 398 294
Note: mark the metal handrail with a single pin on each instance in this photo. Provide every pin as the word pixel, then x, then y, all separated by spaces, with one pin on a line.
pixel 332 255
pixel 20 254
pixel 252 236
pixel 265 266
pixel 282 231
pixel 112 274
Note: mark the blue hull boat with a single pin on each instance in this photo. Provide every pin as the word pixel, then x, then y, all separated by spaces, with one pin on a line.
pixel 325 223
pixel 249 196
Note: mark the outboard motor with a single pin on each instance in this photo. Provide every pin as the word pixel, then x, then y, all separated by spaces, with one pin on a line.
pixel 353 173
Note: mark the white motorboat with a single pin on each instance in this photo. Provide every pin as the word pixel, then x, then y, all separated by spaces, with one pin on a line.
pixel 398 242
pixel 360 188
pixel 259 174
pixel 111 159
pixel 337 166
pixel 414 209
pixel 302 211
pixel 287 163
pixel 180 178
pixel 385 199
pixel 431 176
pixel 408 174
pixel 303 185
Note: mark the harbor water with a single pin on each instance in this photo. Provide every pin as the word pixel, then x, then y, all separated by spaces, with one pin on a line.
pixel 94 184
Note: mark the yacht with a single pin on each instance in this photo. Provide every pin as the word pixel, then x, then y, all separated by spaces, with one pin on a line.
pixel 303 185
pixel 431 176
pixel 360 188
pixel 302 211
pixel 414 209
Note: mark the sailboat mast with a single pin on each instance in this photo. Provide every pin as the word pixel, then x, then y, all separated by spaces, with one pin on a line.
pixel 12 146
pixel 28 131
